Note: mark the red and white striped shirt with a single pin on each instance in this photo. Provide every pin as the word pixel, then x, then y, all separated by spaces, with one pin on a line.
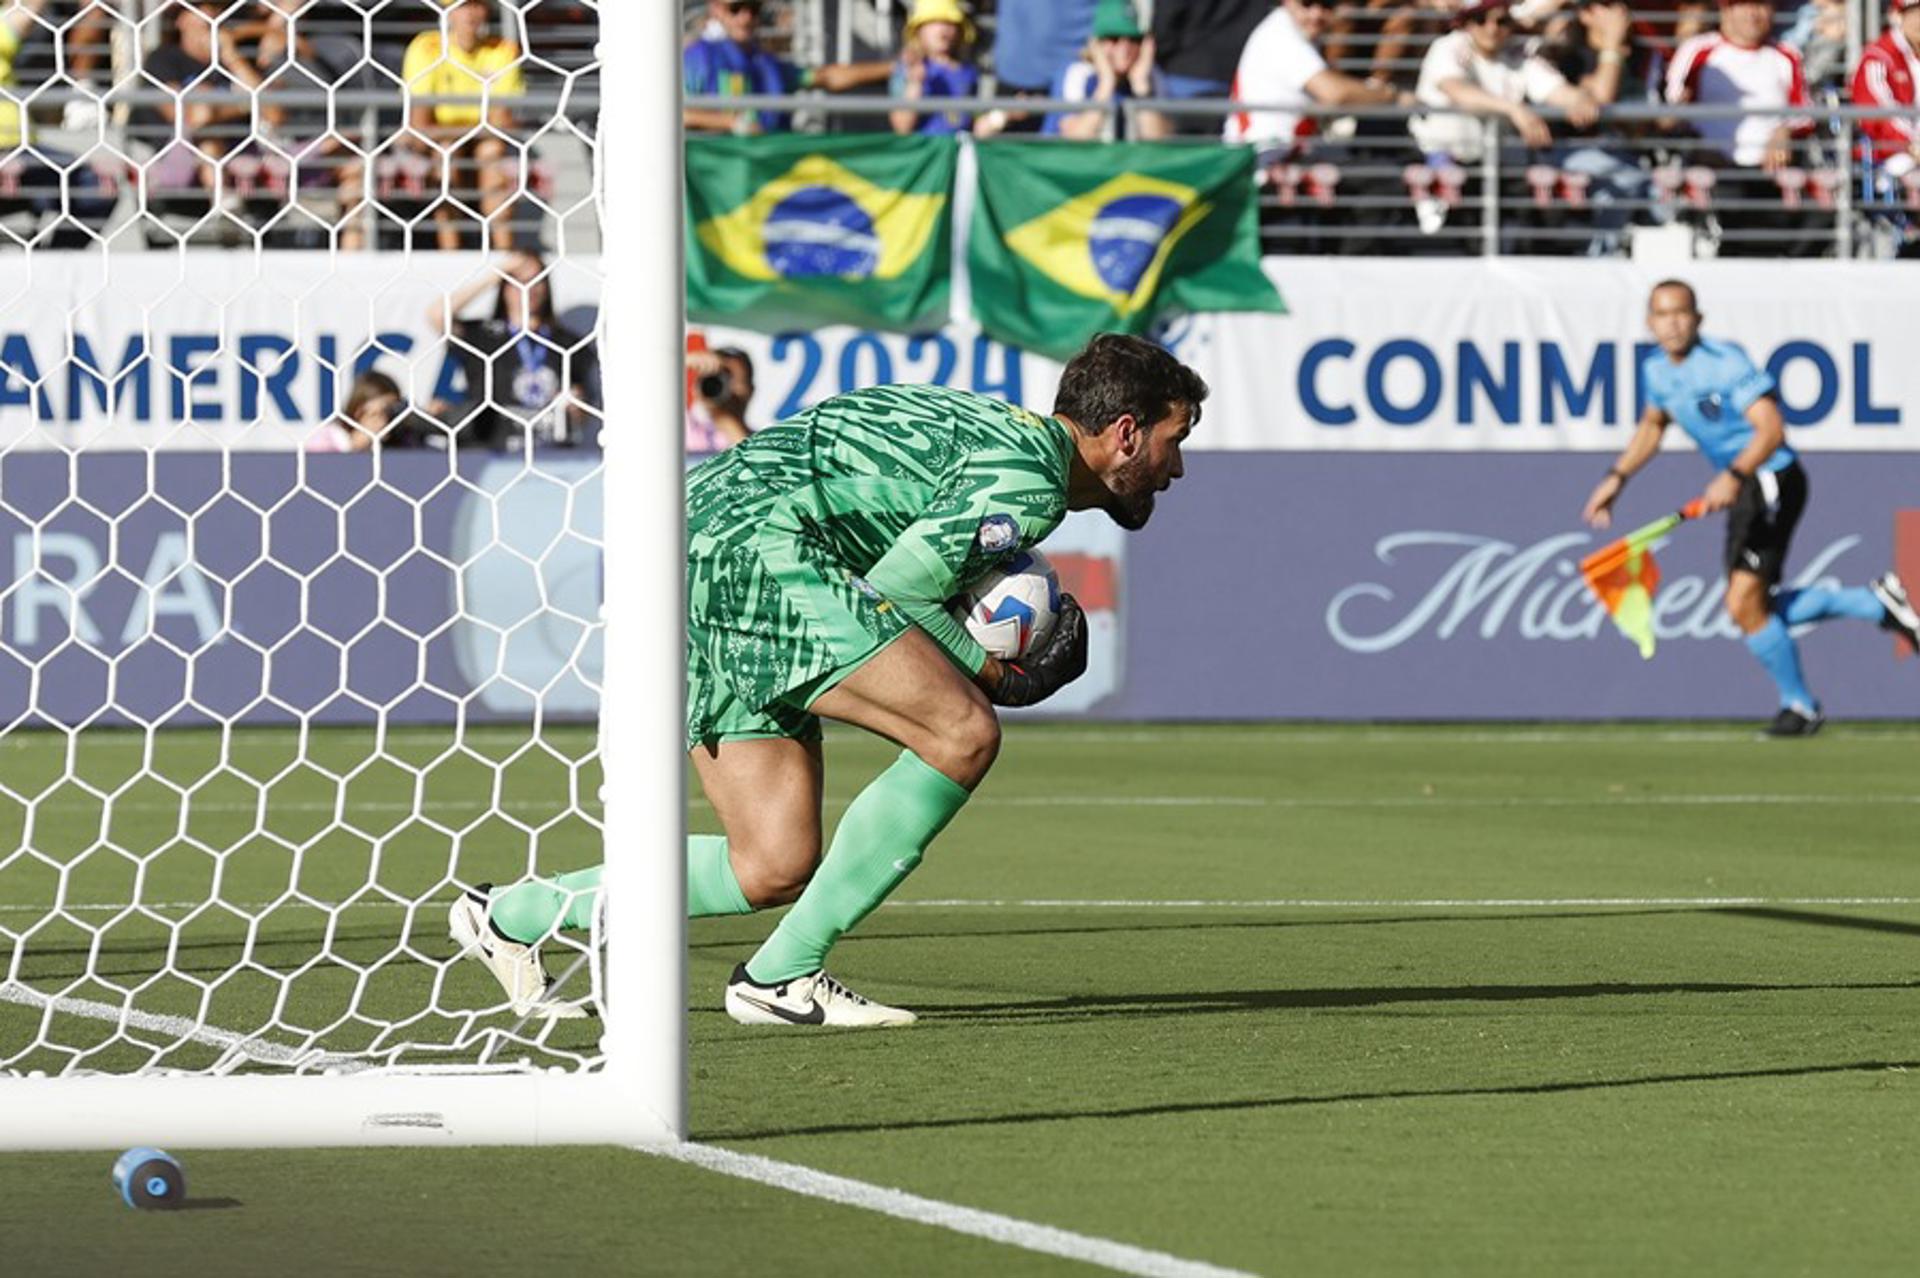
pixel 1888 71
pixel 1711 70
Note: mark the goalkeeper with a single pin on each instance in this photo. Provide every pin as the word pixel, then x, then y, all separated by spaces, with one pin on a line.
pixel 821 553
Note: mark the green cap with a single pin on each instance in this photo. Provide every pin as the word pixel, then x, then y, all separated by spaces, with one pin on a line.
pixel 1116 20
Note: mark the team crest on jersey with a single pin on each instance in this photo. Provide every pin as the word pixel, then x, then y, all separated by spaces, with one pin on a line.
pixel 997 533
pixel 1710 407
pixel 865 587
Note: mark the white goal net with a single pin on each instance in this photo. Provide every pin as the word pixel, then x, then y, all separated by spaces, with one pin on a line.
pixel 304 526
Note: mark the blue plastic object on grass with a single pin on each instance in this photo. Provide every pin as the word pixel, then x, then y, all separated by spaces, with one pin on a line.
pixel 149 1179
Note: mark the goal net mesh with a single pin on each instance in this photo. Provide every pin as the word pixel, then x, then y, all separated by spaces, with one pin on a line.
pixel 300 525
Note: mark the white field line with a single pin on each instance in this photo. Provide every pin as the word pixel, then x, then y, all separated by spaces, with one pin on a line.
pixel 1125 903
pixel 1035 735
pixel 1279 802
pixel 1007 1230
pixel 176 1027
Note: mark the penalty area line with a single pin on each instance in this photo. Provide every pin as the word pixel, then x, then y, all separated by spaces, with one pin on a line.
pixel 1007 1230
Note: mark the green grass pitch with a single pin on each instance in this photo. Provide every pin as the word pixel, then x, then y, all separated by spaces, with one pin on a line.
pixel 1292 1000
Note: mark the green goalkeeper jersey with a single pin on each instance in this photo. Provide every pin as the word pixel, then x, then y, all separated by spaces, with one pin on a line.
pixel 911 491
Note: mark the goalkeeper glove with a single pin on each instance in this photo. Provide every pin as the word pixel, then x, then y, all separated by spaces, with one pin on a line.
pixel 1051 667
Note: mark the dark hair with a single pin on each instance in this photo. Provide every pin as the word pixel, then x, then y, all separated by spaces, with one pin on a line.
pixel 1693 298
pixel 1116 375
pixel 734 352
pixel 524 289
pixel 370 385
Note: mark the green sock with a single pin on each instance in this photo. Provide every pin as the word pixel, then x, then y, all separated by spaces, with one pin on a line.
pixel 528 912
pixel 879 841
pixel 711 887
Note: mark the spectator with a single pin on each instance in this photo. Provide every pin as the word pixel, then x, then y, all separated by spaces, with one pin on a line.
pixel 527 376
pixel 1888 72
pixel 1281 66
pixel 1597 47
pixel 717 407
pixel 1742 65
pixel 41 171
pixel 1034 41
pixel 935 62
pixel 468 140
pixel 727 61
pixel 1117 64
pixel 1819 32
pixel 1597 50
pixel 87 41
pixel 1197 45
pixel 208 112
pixel 1476 68
pixel 315 155
pixel 1398 30
pixel 375 414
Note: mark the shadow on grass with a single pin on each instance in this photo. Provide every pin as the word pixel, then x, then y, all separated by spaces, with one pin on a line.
pixel 1820 918
pixel 1078 1007
pixel 206 1204
pixel 1297 1102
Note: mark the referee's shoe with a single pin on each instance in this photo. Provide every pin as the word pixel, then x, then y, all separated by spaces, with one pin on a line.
pixel 1901 617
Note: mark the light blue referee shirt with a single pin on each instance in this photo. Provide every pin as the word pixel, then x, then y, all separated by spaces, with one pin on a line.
pixel 1709 393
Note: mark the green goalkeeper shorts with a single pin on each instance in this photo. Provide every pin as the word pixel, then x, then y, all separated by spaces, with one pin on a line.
pixel 773 621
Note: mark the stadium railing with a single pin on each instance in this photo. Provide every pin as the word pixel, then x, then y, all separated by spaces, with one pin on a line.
pixel 263 173
pixel 1362 185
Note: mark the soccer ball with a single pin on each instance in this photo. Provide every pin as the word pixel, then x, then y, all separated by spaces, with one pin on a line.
pixel 1011 610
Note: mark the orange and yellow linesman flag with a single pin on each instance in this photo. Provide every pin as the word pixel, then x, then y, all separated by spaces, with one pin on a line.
pixel 1623 576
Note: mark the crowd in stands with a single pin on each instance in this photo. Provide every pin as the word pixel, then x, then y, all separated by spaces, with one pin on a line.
pixel 296 123
pixel 324 123
pixel 1421 82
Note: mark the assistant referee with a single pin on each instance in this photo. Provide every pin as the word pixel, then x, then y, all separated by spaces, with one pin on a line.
pixel 1732 412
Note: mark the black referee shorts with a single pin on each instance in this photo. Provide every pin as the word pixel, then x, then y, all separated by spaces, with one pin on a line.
pixel 1761 520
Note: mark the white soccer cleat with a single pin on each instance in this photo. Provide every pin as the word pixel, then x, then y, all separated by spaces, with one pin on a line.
pixel 817 999
pixel 517 967
pixel 1901 617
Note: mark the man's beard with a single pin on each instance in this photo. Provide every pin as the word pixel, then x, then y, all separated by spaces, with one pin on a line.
pixel 1131 495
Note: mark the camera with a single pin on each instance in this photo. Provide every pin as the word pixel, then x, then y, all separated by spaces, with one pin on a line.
pixel 715 385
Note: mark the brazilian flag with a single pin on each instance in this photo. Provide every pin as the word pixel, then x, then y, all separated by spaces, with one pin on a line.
pixel 1072 239
pixel 793 231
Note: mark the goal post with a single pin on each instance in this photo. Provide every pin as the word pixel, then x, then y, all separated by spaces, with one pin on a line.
pixel 228 858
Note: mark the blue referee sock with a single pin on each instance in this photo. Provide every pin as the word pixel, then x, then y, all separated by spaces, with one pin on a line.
pixel 1774 648
pixel 1818 603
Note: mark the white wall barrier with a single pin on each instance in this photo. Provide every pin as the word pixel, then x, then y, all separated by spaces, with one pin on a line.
pixel 219 350
pixel 1451 355
pixel 213 349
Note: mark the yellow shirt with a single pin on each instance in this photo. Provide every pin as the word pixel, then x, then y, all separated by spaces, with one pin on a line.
pixel 494 65
pixel 9 112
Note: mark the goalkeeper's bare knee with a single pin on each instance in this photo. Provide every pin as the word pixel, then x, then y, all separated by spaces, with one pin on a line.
pixel 965 745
